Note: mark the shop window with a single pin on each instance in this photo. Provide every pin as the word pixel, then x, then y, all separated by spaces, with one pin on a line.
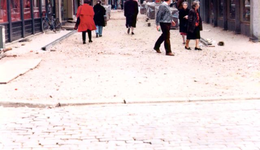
pixel 3 11
pixel 232 9
pixel 27 9
pixel 36 8
pixel 221 8
pixel 15 10
pixel 246 10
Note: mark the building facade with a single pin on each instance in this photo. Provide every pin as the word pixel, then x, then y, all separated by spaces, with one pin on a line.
pixel 240 16
pixel 22 18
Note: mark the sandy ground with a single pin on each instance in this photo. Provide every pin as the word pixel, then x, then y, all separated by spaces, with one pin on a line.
pixel 121 66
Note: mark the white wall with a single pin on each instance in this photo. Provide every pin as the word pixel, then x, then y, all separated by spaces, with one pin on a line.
pixel 255 18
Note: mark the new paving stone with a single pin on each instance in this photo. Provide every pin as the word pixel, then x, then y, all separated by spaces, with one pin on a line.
pixel 212 125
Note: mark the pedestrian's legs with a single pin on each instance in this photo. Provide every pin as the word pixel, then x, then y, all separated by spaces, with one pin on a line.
pixel 100 30
pixel 183 38
pixel 187 43
pixel 115 4
pixel 128 29
pixel 128 24
pixel 197 43
pixel 167 43
pixel 132 29
pixel 164 37
pixel 159 42
pixel 84 37
pixel 89 36
pixel 97 31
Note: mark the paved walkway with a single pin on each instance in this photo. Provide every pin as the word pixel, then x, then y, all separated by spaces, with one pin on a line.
pixel 121 67
pixel 175 126
pixel 34 43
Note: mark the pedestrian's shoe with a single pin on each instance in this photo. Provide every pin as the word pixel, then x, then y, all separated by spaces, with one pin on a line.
pixel 96 35
pixel 157 51
pixel 199 49
pixel 100 35
pixel 184 43
pixel 187 48
pixel 133 33
pixel 170 54
pixel 84 42
pixel 90 41
pixel 128 30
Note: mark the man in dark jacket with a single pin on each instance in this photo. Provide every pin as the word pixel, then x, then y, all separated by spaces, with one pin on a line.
pixel 164 20
pixel 131 11
pixel 99 18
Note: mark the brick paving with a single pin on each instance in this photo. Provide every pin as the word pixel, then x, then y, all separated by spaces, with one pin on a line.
pixel 230 125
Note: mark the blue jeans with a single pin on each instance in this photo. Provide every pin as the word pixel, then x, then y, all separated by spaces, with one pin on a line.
pixel 99 30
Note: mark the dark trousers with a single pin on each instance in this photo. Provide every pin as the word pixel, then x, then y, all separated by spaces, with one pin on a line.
pixel 84 35
pixel 165 37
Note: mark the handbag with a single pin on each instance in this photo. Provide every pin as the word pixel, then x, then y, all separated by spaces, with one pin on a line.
pixel 78 21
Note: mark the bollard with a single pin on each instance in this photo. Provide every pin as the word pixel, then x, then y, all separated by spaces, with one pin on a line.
pixel 2 37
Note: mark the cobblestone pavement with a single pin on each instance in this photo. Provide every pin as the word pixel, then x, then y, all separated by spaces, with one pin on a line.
pixel 175 126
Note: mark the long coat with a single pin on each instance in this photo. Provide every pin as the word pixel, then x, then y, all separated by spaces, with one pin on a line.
pixel 192 21
pixel 100 12
pixel 86 14
pixel 183 21
pixel 131 11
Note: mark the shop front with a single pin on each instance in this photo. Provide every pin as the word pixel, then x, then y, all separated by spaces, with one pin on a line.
pixel 233 15
pixel 22 18
pixel 69 9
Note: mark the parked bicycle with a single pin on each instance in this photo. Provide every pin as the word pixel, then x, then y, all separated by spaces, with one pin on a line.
pixel 51 23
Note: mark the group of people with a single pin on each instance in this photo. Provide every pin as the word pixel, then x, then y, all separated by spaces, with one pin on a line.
pixel 89 19
pixel 190 25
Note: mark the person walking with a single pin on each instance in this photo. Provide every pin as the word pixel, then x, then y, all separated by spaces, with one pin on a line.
pixel 164 20
pixel 194 26
pixel 183 17
pixel 131 11
pixel 99 18
pixel 85 15
pixel 50 14
pixel 115 4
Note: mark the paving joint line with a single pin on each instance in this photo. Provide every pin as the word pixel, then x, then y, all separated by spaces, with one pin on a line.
pixel 157 101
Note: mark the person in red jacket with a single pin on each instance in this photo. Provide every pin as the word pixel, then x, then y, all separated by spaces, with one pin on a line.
pixel 86 14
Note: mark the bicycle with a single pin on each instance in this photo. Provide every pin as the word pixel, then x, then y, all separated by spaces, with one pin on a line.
pixel 51 23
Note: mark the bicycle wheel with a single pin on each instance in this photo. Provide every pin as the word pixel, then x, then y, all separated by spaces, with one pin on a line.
pixel 57 24
pixel 45 25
